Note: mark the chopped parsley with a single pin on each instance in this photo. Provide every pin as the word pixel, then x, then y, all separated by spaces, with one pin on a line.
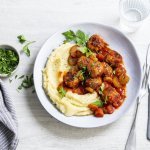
pixel 26 49
pixel 62 91
pixel 27 82
pixel 21 39
pixel 21 77
pixel 98 103
pixel 16 76
pixel 9 60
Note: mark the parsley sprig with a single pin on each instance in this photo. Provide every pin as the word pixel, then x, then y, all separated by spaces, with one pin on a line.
pixel 98 103
pixel 80 38
pixel 62 91
pixel 25 48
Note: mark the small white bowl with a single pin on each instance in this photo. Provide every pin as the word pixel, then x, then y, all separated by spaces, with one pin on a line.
pixel 8 47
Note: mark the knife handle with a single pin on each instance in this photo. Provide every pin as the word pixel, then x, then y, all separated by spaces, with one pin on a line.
pixel 148 121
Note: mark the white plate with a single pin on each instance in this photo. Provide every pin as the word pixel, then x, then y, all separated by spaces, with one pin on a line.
pixel 119 43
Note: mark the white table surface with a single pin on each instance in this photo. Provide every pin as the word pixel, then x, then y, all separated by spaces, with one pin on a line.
pixel 37 20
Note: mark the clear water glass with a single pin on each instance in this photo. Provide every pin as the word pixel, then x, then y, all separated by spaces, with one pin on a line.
pixel 133 13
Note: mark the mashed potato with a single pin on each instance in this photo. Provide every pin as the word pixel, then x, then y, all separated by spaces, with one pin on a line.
pixel 72 103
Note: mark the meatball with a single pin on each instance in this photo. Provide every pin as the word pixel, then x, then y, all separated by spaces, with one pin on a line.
pixel 113 58
pixel 74 52
pixel 70 80
pixel 96 43
pixel 82 62
pixel 111 95
pixel 94 83
pixel 107 70
pixel 95 68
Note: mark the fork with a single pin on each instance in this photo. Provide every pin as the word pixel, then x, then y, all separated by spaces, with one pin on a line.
pixel 131 141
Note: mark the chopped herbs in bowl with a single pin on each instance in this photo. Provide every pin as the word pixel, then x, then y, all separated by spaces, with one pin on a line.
pixel 9 60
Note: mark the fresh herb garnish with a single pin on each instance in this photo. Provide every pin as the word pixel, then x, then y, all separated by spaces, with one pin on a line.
pixel 80 38
pixel 21 77
pixel 21 39
pixel 27 82
pixel 98 103
pixel 69 35
pixel 62 91
pixel 26 49
pixel 16 76
pixel 8 61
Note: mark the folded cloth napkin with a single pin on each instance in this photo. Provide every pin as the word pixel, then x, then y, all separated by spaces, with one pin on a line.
pixel 8 121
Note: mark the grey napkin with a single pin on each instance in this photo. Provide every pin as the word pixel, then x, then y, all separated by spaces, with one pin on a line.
pixel 8 121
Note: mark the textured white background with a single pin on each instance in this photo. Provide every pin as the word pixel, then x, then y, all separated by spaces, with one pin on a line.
pixel 37 20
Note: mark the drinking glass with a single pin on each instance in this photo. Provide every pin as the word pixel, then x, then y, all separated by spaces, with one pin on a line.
pixel 133 13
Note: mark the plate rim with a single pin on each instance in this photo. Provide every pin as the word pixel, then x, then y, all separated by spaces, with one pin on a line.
pixel 91 23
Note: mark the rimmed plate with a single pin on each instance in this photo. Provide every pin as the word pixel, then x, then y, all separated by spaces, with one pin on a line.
pixel 119 42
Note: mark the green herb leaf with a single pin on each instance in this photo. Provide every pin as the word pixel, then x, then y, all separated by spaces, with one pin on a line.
pixel 21 77
pixel 27 82
pixel 16 76
pixel 21 39
pixel 79 37
pixel 98 103
pixel 62 91
pixel 69 35
pixel 19 87
pixel 83 49
pixel 26 49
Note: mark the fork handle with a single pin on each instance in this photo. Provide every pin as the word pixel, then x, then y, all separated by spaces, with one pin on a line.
pixel 131 141
pixel 148 121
